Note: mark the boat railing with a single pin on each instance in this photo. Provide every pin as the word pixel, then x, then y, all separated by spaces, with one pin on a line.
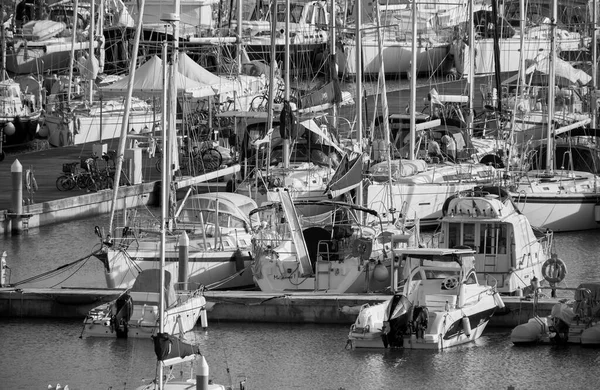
pixel 585 307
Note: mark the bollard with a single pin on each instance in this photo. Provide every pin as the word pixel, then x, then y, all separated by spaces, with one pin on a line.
pixel 3 268
pixel 16 170
pixel 202 376
pixel 184 246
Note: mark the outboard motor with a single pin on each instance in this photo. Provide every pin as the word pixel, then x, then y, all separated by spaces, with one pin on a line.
pixel 122 311
pixel 399 318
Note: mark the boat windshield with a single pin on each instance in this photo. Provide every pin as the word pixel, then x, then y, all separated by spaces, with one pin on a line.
pixel 317 154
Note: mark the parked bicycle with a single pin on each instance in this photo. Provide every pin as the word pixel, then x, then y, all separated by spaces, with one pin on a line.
pixel 88 175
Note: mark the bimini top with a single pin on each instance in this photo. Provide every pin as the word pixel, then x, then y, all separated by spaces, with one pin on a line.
pixel 237 205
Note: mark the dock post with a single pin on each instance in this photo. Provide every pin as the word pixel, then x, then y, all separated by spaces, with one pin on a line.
pixel 16 170
pixel 184 246
pixel 202 376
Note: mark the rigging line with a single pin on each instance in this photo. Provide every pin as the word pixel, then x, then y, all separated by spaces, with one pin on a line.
pixel 62 267
pixel 73 273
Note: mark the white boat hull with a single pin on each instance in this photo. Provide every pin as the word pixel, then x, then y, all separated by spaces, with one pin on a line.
pixel 510 53
pixel 445 329
pixel 144 321
pixel 85 129
pixel 396 57
pixel 567 201
pixel 204 268
pixel 41 57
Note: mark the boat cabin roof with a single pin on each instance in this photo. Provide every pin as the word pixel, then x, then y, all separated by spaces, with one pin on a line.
pixel 434 251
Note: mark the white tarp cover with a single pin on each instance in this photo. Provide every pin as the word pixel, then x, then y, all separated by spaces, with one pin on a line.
pixel 191 78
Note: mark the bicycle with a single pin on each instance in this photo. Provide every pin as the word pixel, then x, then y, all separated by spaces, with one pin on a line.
pixel 260 103
pixel 68 180
pixel 201 159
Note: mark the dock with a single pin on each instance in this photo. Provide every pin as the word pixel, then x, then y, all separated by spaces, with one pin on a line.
pixel 49 205
pixel 239 306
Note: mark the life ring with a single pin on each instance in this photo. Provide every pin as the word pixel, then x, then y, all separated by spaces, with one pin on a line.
pixel 554 270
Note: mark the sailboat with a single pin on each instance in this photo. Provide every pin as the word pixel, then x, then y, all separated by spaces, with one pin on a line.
pixel 44 42
pixel 333 253
pixel 154 302
pixel 214 227
pixel 397 40
pixel 419 188
pixel 171 349
pixel 532 38
pixel 300 156
pixel 557 199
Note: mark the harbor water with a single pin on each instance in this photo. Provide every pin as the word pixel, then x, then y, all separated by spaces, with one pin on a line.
pixel 38 352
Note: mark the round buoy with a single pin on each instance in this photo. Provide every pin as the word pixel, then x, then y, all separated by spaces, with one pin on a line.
pixel 43 131
pixel 9 128
pixel 554 269
pixel 381 273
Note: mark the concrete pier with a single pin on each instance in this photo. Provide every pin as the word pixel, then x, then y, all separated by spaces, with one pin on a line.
pixel 242 306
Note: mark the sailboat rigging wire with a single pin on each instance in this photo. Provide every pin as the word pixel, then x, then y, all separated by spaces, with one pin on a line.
pixel 55 271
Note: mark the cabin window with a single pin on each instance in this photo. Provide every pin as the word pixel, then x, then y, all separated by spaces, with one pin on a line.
pixel 471 279
pixel 237 223
pixel 469 234
pixel 454 235
pixel 492 239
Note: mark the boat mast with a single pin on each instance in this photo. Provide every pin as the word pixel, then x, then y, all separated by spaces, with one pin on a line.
pixel 333 62
pixel 384 108
pixel 73 42
pixel 551 92
pixel 471 68
pixel 286 140
pixel 3 38
pixel 164 206
pixel 124 121
pixel 91 56
pixel 239 36
pixel 271 81
pixel 413 83
pixel 594 59
pixel 101 53
pixel 496 56
pixel 522 45
pixel 359 93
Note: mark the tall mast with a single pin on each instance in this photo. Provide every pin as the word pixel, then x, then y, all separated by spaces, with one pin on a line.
pixel 594 58
pixel 359 93
pixel 286 140
pixel 332 60
pixel 496 55
pixel 239 35
pixel 522 45
pixel 551 86
pixel 413 83
pixel 3 40
pixel 164 206
pixel 271 78
pixel 471 68
pixel 384 108
pixel 124 123
pixel 73 42
pixel 91 49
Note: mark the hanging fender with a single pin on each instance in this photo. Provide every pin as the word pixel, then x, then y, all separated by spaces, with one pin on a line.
pixel 554 269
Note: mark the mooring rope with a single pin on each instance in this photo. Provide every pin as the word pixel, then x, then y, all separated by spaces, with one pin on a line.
pixel 58 270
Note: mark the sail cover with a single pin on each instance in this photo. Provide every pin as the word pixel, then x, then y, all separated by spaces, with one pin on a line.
pixel 168 347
